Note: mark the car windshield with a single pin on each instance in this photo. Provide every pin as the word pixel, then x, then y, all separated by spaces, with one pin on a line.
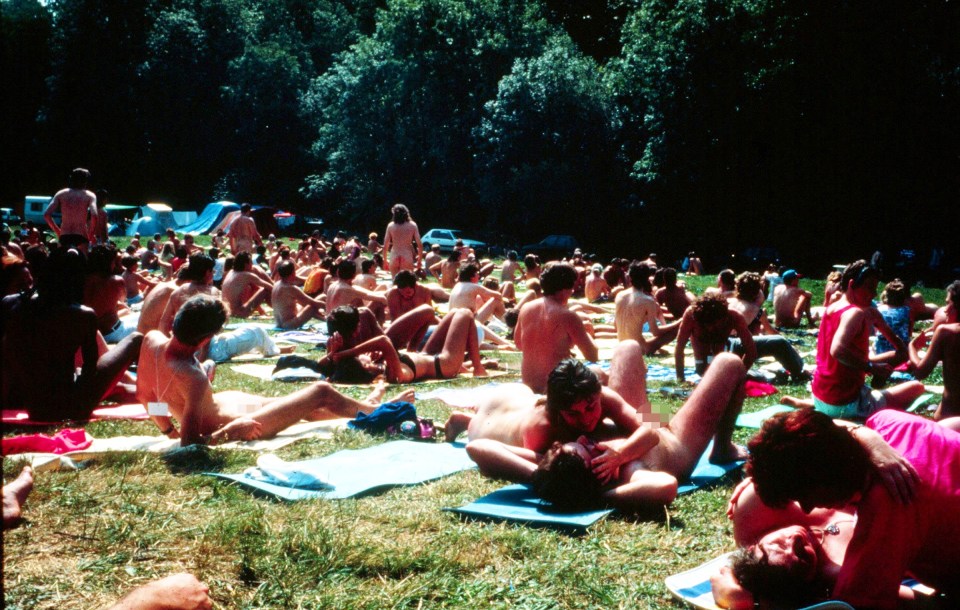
pixel 455 233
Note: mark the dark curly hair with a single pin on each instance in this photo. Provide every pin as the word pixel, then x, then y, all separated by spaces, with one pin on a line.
pixel 775 586
pixel 564 479
pixel 570 381
pixel 709 308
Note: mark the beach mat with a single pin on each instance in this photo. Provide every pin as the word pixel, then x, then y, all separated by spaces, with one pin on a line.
pixel 162 444
pixel 693 587
pixel 919 402
pixel 20 417
pixel 517 503
pixel 264 372
pixel 755 420
pixel 354 472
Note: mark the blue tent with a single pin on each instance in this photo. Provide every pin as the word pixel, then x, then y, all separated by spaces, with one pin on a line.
pixel 211 216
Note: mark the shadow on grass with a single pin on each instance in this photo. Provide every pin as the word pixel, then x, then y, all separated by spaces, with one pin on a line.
pixel 194 459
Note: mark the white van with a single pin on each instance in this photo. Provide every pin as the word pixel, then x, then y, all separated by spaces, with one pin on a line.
pixel 33 207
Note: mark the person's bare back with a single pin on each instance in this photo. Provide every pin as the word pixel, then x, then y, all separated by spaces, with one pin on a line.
pixel 104 295
pixel 291 306
pixel 153 306
pixel 74 205
pixel 180 296
pixel 546 332
pixel 343 292
pixel 241 291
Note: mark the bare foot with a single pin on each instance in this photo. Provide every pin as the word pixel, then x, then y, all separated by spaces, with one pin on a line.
pixel 14 495
pixel 796 403
pixel 287 349
pixel 457 423
pixel 376 395
pixel 480 372
pixel 732 453
pixel 405 396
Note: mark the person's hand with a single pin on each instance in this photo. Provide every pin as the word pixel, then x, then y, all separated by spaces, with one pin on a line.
pixel 606 466
pixel 243 428
pixel 334 343
pixel 727 592
pixel 735 498
pixel 184 592
pixel 922 340
pixel 898 475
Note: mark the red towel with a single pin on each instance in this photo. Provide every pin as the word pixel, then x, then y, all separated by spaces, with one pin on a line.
pixel 758 388
pixel 68 439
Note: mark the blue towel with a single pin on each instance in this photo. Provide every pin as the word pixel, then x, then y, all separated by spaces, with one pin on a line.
pixel 358 471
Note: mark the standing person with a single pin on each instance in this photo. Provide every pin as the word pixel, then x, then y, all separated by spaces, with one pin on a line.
pixel 243 232
pixel 402 241
pixel 78 211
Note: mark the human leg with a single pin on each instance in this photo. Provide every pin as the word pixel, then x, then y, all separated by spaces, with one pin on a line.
pixel 14 495
pixel 641 488
pixel 902 395
pixel 455 335
pixel 456 424
pixel 710 412
pixel 303 316
pixel 658 342
pixel 256 299
pixel 175 592
pixel 778 347
pixel 407 330
pixel 493 307
pixel 248 338
pixel 316 402
pixel 628 374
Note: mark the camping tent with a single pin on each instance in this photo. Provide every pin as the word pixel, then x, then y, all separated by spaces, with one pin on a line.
pixel 263 216
pixel 212 215
pixel 153 218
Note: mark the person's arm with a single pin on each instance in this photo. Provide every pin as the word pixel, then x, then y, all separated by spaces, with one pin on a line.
pixel 370 295
pixel 176 592
pixel 765 327
pixel 52 207
pixel 170 311
pixel 302 298
pixel 418 254
pixel 383 345
pixel 895 472
pixel 94 219
pixel 925 365
pixel 496 459
pixel 578 333
pixel 851 324
pixel 746 340
pixel 683 337
pixel 388 242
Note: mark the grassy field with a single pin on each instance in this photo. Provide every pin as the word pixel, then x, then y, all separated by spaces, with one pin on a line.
pixel 91 535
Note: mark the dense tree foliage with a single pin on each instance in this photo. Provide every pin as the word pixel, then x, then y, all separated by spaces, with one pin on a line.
pixel 658 124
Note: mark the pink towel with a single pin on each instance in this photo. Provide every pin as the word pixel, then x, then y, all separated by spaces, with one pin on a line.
pixel 758 388
pixel 68 439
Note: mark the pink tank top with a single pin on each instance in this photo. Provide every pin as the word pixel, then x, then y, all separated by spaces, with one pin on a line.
pixel 834 382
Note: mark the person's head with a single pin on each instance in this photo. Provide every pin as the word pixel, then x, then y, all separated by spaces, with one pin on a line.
pixel 640 274
pixel 372 236
pixel 749 286
pixel 597 269
pixel 458 244
pixel 531 261
pixel 782 568
pixel 512 256
pixel 558 276
pixel 368 266
pixel 802 455
pixel 953 293
pixel 346 270
pixel 103 197
pixel 180 251
pixel 171 234
pixel 213 252
pixel 860 276
pixel 791 277
pixel 563 478
pixel 709 309
pixel 454 256
pixel 59 275
pixel 344 320
pixel 400 213
pixel 241 262
pixel 573 396
pixel 435 248
pixel 79 178
pixel 834 277
pixel 261 251
pixel 670 277
pixel 200 268
pixel 286 269
pixel 199 319
pixel 468 272
pixel 726 279
pixel 101 261
pixel 895 293
pixel 130 263
pixel 188 239
pixel 245 209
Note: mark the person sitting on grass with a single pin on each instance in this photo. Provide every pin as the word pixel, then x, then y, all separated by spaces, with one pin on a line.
pixel 292 308
pixel 244 289
pixel 442 355
pixel 170 373
pixel 791 304
pixel 640 467
pixel 803 460
pixel 136 283
pixel 944 347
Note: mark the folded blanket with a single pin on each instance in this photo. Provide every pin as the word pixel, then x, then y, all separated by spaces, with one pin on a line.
pixel 353 472
pixel 271 469
pixel 68 439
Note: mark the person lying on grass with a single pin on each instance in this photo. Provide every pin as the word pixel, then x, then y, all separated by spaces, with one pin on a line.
pixel 507 438
pixel 170 373
pixel 441 357
pixel 805 465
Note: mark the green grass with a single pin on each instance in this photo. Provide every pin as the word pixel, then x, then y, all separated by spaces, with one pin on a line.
pixel 91 535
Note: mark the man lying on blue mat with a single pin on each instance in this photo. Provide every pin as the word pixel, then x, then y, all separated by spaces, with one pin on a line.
pixel 510 431
pixel 172 381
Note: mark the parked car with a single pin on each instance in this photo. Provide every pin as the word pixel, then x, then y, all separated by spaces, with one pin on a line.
pixel 552 247
pixel 447 239
pixel 9 217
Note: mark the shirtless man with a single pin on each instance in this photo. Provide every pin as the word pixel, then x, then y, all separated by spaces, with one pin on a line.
pixel 635 308
pixel 243 232
pixel 945 347
pixel 596 288
pixel 199 280
pixel 156 302
pixel 244 290
pixel 547 330
pixel 171 374
pixel 725 284
pixel 791 304
pixel 406 294
pixel 707 324
pixel 292 308
pixel 948 314
pixel 510 269
pixel 675 298
pixel 432 258
pixel 342 291
pixel 512 428
pixel 105 293
pixel 135 281
pixel 40 335
pixel 76 204
pixel 468 292
pixel 401 241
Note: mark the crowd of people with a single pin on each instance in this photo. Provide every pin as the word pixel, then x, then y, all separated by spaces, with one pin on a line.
pixel 77 312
